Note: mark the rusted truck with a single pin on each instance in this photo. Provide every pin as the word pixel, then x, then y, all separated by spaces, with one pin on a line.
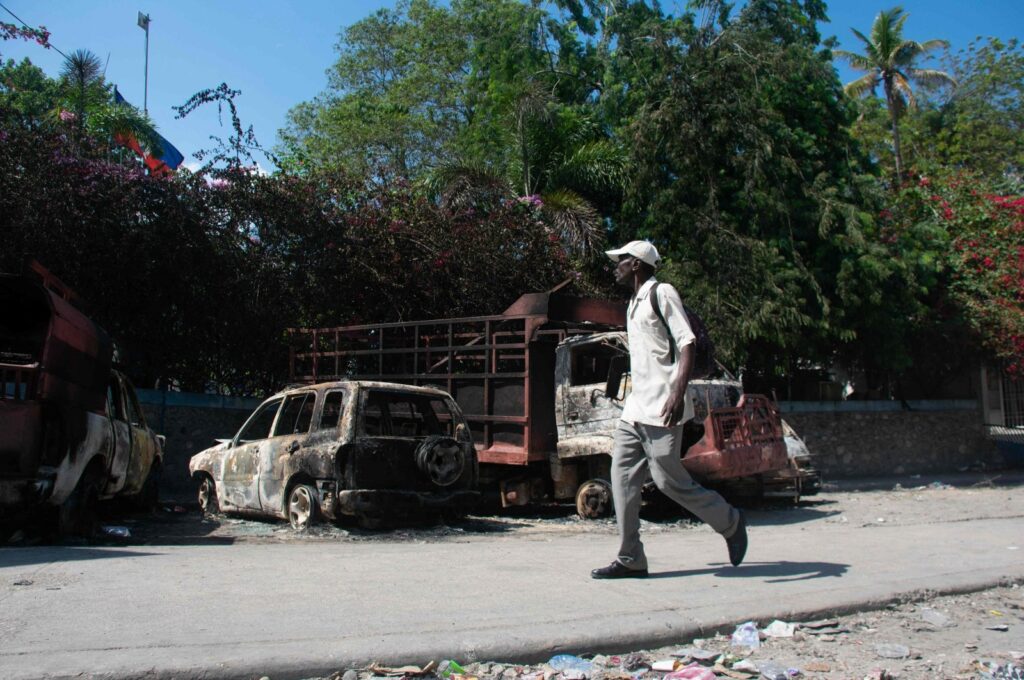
pixel 542 386
pixel 71 429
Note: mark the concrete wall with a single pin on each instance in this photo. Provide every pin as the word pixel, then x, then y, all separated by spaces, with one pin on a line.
pixel 848 439
pixel 191 423
pixel 859 439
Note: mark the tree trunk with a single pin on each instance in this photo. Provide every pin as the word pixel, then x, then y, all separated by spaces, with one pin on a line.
pixel 897 155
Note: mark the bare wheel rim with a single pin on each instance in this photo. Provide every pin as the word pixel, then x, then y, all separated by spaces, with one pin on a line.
pixel 594 499
pixel 207 493
pixel 300 507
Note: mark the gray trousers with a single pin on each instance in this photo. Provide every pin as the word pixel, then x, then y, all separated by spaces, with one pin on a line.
pixel 641 448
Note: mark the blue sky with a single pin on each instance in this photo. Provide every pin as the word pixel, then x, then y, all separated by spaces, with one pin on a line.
pixel 276 52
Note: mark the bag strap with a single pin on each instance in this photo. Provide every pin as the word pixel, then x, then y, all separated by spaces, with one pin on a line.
pixel 661 317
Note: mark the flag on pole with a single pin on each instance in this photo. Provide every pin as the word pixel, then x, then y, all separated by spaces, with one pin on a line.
pixel 166 159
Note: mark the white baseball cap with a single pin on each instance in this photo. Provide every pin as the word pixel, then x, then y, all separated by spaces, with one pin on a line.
pixel 641 250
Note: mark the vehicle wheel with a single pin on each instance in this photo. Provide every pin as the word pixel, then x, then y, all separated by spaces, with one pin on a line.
pixel 208 503
pixel 303 507
pixel 442 459
pixel 594 499
pixel 76 516
pixel 149 495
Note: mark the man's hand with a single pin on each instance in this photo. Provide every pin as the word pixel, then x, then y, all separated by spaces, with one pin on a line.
pixel 672 412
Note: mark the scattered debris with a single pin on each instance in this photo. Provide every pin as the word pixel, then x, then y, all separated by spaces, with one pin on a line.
pixel 746 635
pixel 568 662
pixel 778 629
pixel 692 672
pixel 696 654
pixel 880 674
pixel 773 671
pixel 888 650
pixel 116 532
pixel 937 619
pixel 821 623
pixel 1001 627
pixel 745 665
pixel 817 667
pixel 23 582
pixel 448 668
pixel 991 671
pixel 665 665
pixel 402 671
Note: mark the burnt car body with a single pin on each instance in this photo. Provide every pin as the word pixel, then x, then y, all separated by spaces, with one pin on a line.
pixel 370 450
pixel 71 429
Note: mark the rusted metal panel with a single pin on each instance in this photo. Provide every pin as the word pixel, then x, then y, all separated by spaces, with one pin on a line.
pixel 739 442
pixel 44 329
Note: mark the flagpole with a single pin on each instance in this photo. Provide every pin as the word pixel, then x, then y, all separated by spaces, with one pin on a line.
pixel 144 25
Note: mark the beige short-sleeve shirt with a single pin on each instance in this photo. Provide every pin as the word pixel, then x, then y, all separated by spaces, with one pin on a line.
pixel 651 370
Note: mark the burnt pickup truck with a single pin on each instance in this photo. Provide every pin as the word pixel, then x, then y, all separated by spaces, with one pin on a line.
pixel 71 429
pixel 542 386
pixel 373 451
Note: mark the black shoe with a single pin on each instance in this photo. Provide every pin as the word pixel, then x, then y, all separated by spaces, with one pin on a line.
pixel 738 541
pixel 618 570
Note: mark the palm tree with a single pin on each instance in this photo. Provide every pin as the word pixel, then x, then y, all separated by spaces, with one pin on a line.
pixel 889 59
pixel 88 97
pixel 82 77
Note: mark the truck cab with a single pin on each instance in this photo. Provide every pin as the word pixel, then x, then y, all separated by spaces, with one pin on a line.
pixel 71 429
pixel 733 437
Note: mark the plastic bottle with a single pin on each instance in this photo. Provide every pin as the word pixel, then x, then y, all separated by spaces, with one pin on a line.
pixel 448 668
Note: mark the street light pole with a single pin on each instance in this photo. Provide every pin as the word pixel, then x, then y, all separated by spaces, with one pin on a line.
pixel 144 25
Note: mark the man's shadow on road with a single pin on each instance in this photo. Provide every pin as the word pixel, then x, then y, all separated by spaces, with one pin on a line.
pixel 773 572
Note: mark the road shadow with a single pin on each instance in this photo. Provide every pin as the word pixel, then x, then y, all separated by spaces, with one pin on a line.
pixel 779 513
pixel 786 514
pixel 774 572
pixel 118 524
pixel 21 557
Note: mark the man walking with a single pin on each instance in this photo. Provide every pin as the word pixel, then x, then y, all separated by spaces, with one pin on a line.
pixel 649 434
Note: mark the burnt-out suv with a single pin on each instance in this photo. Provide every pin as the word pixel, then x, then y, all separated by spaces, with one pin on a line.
pixel 369 450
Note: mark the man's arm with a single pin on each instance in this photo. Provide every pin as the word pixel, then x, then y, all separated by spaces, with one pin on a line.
pixel 672 412
pixel 679 326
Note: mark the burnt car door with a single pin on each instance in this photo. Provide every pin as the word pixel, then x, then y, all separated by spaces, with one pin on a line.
pixel 290 434
pixel 121 444
pixel 242 460
pixel 143 444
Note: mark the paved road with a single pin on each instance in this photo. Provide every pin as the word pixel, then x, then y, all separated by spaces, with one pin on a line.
pixel 299 609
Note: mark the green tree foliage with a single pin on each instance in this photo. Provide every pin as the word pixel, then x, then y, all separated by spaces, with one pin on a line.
pixel 744 170
pixel 395 97
pixel 888 60
pixel 982 126
pixel 26 93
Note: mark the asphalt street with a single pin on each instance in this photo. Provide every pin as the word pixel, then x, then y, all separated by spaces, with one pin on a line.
pixel 294 610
